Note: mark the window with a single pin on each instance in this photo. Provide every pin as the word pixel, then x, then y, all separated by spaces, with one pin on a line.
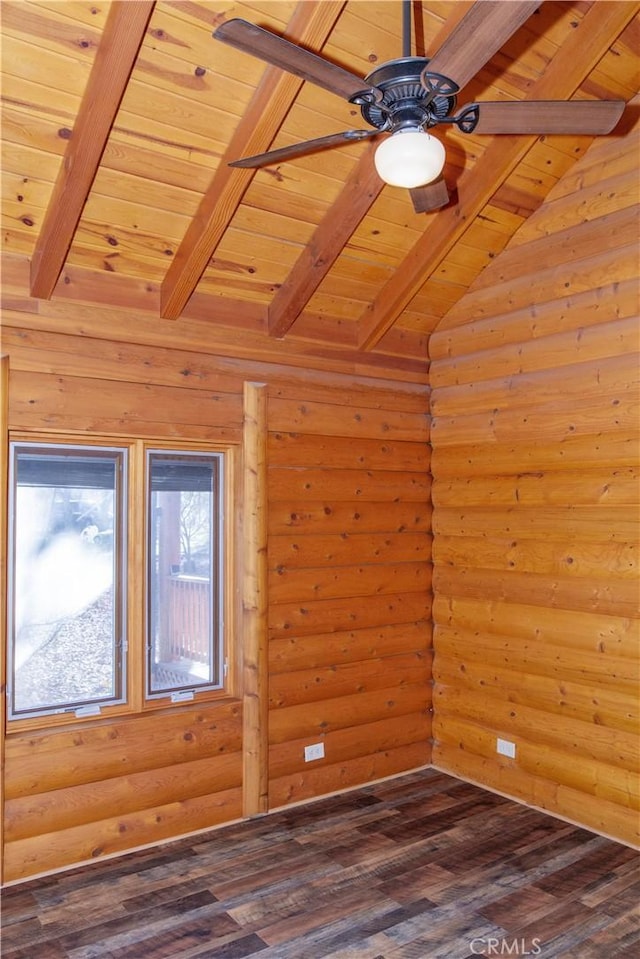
pixel 66 609
pixel 184 572
pixel 95 620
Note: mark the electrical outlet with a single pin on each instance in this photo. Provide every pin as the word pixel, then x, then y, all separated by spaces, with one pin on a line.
pixel 313 752
pixel 506 748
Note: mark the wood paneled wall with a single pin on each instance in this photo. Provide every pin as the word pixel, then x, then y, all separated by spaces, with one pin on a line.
pixel 348 575
pixel 536 505
pixel 349 590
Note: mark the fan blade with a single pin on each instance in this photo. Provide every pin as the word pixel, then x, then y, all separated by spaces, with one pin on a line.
pixel 481 32
pixel 432 196
pixel 288 56
pixel 549 116
pixel 300 149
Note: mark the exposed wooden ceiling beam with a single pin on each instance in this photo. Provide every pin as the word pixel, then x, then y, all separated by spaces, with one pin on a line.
pixel 582 50
pixel 123 33
pixel 310 26
pixel 333 232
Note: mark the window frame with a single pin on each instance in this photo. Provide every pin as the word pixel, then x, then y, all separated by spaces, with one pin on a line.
pixel 134 581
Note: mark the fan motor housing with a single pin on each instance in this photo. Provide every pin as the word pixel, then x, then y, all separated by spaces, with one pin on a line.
pixel 403 95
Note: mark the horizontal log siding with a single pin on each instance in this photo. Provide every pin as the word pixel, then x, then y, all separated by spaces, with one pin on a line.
pixel 535 493
pixel 349 584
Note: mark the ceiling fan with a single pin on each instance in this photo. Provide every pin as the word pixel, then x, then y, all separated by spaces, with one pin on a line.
pixel 404 98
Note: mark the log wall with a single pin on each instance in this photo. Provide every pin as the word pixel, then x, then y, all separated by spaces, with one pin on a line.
pixel 535 492
pixel 345 629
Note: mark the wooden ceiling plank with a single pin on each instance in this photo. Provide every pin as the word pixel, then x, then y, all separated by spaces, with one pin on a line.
pixel 310 26
pixel 319 255
pixel 581 52
pixel 124 31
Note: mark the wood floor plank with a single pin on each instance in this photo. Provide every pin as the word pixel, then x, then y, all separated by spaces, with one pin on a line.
pixel 527 904
pixel 422 866
pixel 605 858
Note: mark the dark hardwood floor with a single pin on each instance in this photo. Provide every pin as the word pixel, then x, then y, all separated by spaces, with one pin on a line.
pixel 420 867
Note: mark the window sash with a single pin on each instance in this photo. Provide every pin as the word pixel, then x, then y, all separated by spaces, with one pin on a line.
pixel 184 631
pixel 67 575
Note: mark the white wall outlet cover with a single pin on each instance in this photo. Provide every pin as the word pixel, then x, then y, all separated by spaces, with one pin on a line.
pixel 506 748
pixel 316 751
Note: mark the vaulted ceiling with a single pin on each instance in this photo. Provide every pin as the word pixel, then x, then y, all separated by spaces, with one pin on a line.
pixel 120 120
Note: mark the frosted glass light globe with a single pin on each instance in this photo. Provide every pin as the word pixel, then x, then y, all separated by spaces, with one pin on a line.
pixel 410 158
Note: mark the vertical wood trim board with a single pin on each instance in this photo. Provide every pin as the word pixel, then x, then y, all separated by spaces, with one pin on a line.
pixel 4 482
pixel 255 601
